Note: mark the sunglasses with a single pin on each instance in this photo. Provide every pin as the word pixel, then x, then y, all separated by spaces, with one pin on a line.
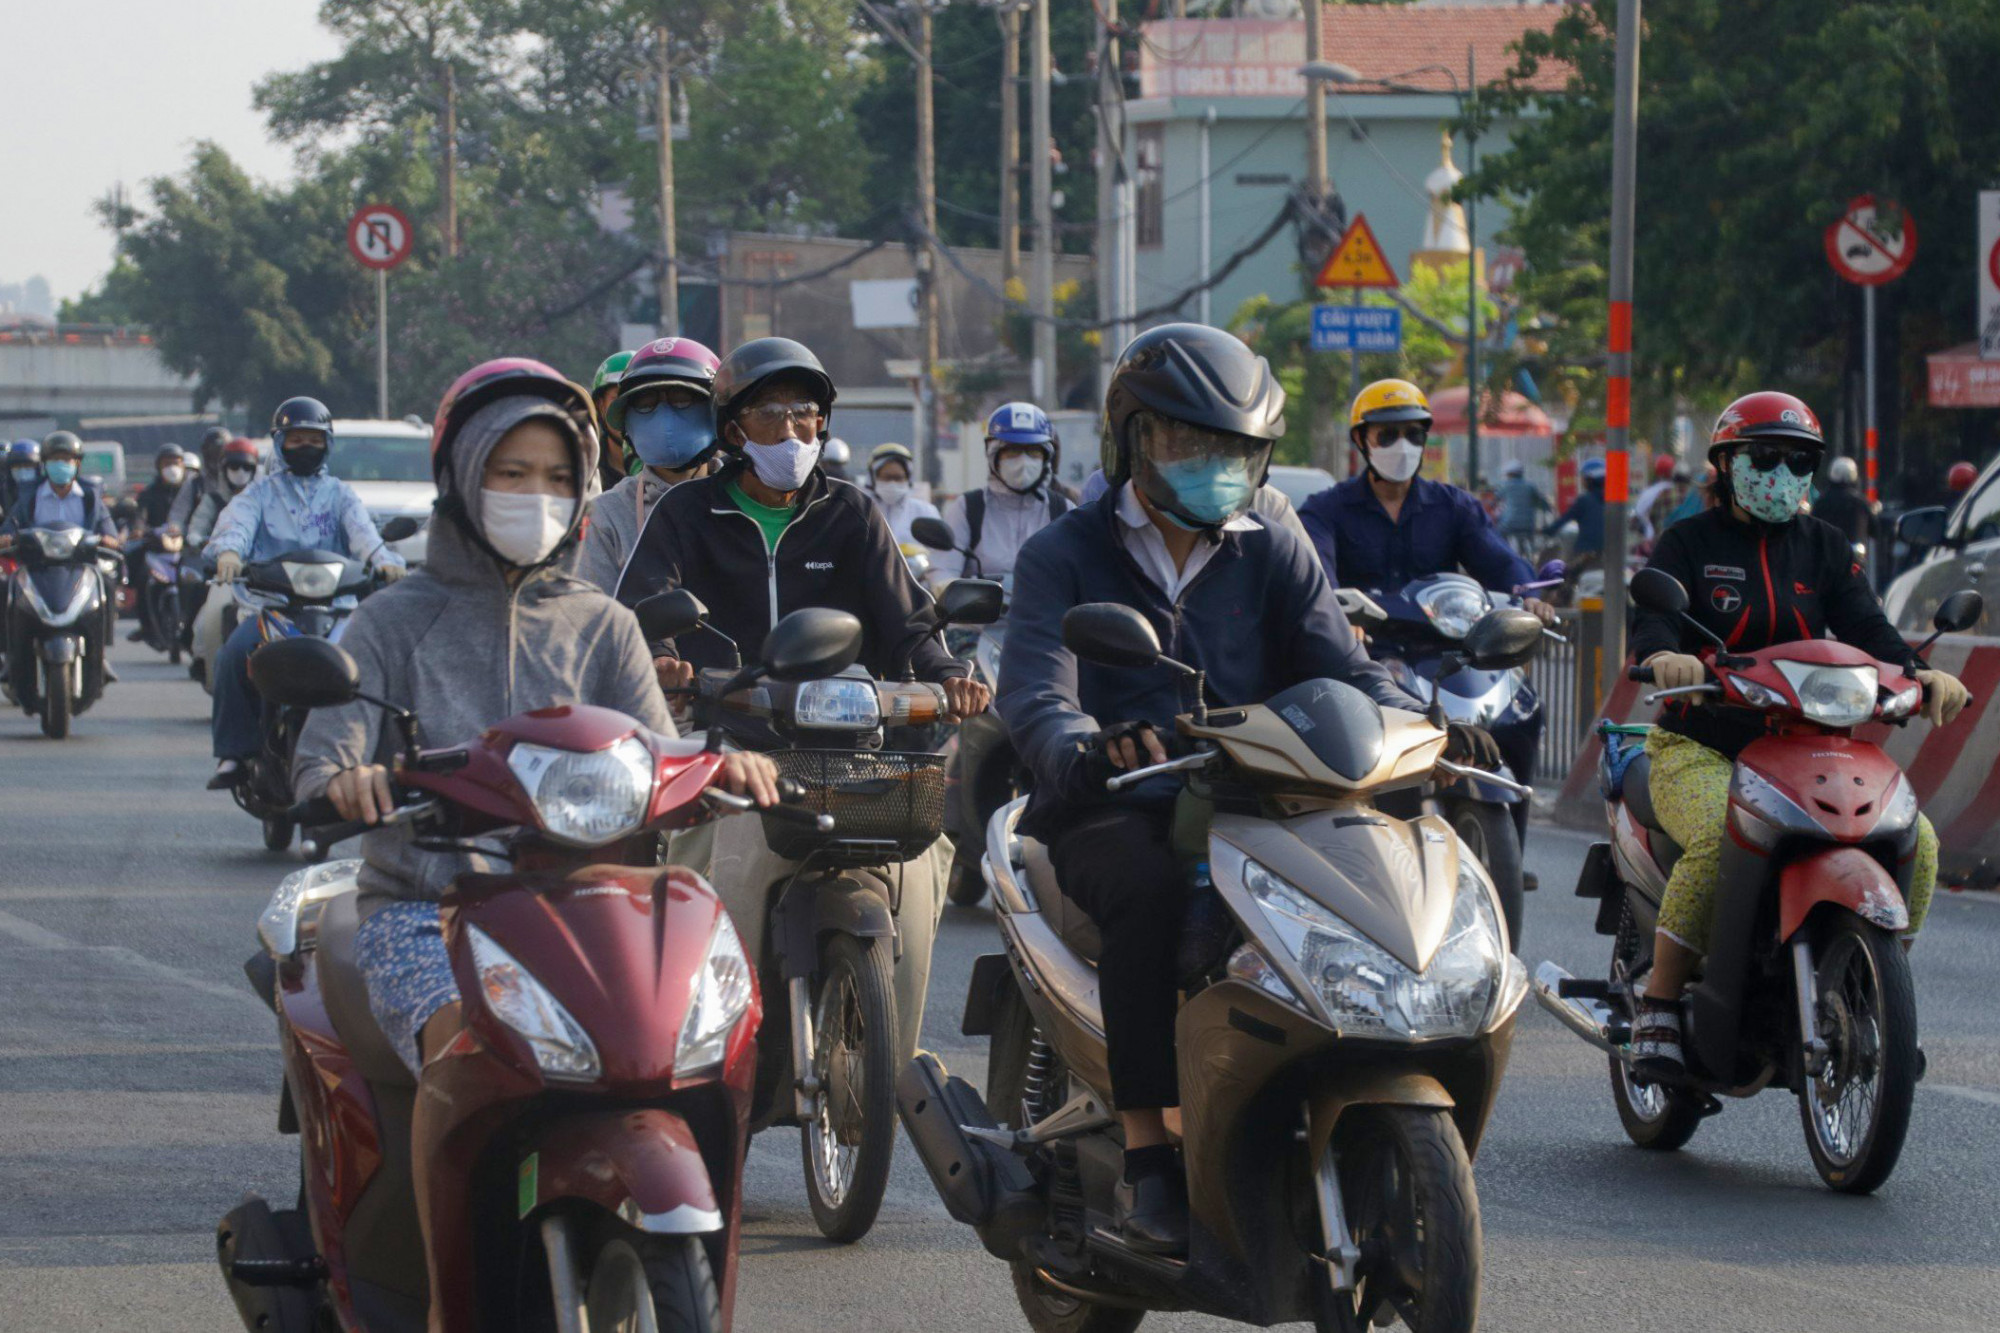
pixel 1416 432
pixel 645 401
pixel 1800 462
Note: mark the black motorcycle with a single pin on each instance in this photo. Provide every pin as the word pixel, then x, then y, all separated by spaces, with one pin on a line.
pixel 160 593
pixel 57 624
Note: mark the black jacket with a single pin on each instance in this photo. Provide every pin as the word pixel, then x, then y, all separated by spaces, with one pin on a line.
pixel 1844 507
pixel 1756 584
pixel 156 501
pixel 838 552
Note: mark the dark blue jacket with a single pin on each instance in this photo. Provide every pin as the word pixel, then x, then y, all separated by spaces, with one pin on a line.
pixel 1439 530
pixel 1259 617
pixel 1587 512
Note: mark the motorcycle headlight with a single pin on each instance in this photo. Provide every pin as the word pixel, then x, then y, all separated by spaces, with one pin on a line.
pixel 561 1047
pixel 586 799
pixel 311 580
pixel 1834 696
pixel 1364 990
pixel 721 995
pixel 1902 704
pixel 1452 607
pixel 837 705
pixel 59 545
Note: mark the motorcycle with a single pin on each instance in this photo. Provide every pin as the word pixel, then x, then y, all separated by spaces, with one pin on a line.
pixel 583 1136
pixel 848 915
pixel 57 609
pixel 160 595
pixel 1805 984
pixel 1340 1049
pixel 1410 630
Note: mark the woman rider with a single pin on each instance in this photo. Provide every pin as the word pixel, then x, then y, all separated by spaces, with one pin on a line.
pixel 1758 572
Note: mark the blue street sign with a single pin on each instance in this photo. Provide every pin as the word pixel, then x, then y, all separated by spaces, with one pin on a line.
pixel 1357 328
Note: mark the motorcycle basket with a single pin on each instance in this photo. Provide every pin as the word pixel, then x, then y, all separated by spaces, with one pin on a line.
pixel 890 802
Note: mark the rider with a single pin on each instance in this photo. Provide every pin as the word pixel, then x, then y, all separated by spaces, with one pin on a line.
pixel 156 503
pixel 889 469
pixel 1758 572
pixel 1521 502
pixel 1587 512
pixel 62 497
pixel 1843 505
pixel 604 388
pixel 1190 417
pixel 24 473
pixel 300 506
pixel 204 467
pixel 493 625
pixel 664 412
pixel 835 457
pixel 1016 503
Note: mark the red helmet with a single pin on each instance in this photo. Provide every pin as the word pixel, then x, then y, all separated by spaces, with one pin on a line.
pixel 1762 416
pixel 498 379
pixel 1960 477
pixel 1663 467
pixel 680 361
pixel 240 447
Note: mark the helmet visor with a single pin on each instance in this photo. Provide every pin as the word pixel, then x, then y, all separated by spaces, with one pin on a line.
pixel 1200 476
pixel 1162 440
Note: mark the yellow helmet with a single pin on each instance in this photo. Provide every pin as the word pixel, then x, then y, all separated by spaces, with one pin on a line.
pixel 1388 400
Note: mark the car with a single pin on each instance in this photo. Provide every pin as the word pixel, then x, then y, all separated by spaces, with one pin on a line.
pixel 388 463
pixel 104 462
pixel 1299 483
pixel 1954 548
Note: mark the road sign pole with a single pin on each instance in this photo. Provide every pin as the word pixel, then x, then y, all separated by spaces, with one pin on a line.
pixel 1618 391
pixel 1354 360
pixel 1868 386
pixel 381 344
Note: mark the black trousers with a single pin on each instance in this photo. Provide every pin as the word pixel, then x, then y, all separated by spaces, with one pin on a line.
pixel 1118 866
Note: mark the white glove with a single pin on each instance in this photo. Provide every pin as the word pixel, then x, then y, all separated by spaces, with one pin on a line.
pixel 1944 696
pixel 228 567
pixel 1674 671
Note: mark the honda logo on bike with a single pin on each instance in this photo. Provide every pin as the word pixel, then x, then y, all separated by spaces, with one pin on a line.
pixel 1725 598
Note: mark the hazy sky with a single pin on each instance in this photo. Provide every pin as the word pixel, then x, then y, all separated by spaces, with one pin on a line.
pixel 102 90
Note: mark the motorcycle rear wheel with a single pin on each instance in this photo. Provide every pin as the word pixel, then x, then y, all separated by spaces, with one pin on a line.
pixel 1867 1016
pixel 847 1143
pixel 1489 831
pixel 1656 1118
pixel 58 699
pixel 277 833
pixel 965 886
pixel 660 1283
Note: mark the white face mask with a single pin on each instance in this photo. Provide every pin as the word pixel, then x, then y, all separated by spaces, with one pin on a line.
pixel 1396 462
pixel 783 466
pixel 173 475
pixel 524 526
pixel 892 492
pixel 1021 472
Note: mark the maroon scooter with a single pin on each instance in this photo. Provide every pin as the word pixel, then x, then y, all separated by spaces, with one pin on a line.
pixel 581 1140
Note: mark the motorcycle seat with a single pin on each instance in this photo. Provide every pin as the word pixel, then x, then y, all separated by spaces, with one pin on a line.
pixel 1070 922
pixel 345 993
pixel 1638 797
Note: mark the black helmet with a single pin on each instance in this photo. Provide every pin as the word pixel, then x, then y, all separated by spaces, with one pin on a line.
pixel 1194 374
pixel 300 414
pixel 61 444
pixel 168 453
pixel 759 360
pixel 216 436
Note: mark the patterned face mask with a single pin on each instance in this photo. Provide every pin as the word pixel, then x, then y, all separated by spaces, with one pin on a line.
pixel 1771 496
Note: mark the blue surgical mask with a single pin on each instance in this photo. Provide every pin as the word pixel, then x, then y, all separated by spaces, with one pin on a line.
pixel 671 437
pixel 1212 491
pixel 61 471
pixel 24 475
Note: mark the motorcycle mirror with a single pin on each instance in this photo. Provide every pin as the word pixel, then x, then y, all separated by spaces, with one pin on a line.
pixel 812 643
pixel 1958 612
pixel 305 672
pixel 666 615
pixel 401 528
pixel 1504 637
pixel 1658 591
pixel 1923 528
pixel 1110 635
pixel 971 601
pixel 934 533
pixel 1552 570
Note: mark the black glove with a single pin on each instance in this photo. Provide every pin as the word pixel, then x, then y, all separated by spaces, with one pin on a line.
pixel 1472 745
pixel 1098 768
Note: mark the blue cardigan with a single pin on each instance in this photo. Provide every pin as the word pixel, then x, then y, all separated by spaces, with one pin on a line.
pixel 1258 618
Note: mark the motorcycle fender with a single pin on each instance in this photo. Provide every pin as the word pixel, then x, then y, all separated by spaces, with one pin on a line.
pixel 1845 877
pixel 815 908
pixel 1372 1087
pixel 59 648
pixel 644 1167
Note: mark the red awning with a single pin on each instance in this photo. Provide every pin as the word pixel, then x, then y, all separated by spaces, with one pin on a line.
pixel 1512 415
pixel 1960 377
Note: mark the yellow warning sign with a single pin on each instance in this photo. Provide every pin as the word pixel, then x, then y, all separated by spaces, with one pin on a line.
pixel 1357 261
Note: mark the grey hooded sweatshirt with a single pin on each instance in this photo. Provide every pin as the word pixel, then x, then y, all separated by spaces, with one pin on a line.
pixel 454 644
pixel 615 520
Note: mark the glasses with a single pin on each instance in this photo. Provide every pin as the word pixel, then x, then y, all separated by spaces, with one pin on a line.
pixel 1765 457
pixel 1416 432
pixel 781 416
pixel 644 401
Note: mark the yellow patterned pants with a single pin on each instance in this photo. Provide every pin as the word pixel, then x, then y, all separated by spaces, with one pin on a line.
pixel 1690 790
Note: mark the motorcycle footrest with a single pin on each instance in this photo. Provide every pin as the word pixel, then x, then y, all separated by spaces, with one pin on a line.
pixel 973 1178
pixel 308 1272
pixel 1583 988
pixel 271 1267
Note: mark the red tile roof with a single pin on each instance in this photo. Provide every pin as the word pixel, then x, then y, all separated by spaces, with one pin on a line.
pixel 1378 41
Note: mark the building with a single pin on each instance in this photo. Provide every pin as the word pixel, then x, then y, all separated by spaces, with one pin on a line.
pixel 103 383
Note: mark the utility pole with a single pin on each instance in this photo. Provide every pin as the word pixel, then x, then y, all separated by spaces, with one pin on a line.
pixel 1471 281
pixel 1110 230
pixel 1010 144
pixel 1041 295
pixel 927 297
pixel 450 161
pixel 669 280
pixel 1315 114
pixel 1618 389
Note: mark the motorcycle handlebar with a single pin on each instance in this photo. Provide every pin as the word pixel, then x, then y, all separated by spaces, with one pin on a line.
pixel 1642 674
pixel 788 809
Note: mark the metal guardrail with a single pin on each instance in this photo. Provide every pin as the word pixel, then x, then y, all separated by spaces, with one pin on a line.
pixel 1565 675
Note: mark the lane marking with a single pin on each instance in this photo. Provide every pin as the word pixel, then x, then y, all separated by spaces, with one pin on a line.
pixel 1984 1095
pixel 41 937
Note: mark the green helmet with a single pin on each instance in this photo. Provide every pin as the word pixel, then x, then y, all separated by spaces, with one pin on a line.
pixel 608 371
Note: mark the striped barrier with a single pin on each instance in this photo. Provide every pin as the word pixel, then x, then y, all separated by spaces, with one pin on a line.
pixel 1955 771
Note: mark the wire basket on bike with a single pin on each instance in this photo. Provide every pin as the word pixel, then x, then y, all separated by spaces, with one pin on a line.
pixel 888 803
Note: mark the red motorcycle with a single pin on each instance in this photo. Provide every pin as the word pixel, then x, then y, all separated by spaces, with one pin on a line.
pixel 583 1137
pixel 1806 984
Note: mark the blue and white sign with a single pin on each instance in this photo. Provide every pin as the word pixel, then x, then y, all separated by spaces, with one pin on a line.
pixel 1357 328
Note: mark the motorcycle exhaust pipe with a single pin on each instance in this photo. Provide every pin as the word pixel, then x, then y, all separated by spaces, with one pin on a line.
pixel 1586 1016
pixel 986 1188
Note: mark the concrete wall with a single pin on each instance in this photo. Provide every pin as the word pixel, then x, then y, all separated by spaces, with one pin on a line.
pixel 51 378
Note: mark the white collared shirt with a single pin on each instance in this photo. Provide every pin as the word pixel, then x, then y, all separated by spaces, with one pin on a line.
pixel 1149 548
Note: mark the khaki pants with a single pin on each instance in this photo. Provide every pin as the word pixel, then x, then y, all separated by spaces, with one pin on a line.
pixel 731 854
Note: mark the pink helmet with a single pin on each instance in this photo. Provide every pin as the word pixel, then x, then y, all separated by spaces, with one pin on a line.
pixel 500 378
pixel 681 361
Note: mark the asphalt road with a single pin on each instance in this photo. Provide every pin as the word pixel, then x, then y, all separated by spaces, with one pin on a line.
pixel 138 1077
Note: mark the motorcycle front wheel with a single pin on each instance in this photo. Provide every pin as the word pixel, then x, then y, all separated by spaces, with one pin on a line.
pixel 1856 1110
pixel 1489 831
pixel 58 699
pixel 277 833
pixel 851 1134
pixel 1405 1183
pixel 661 1284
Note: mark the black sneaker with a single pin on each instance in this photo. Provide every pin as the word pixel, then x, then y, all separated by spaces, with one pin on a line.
pixel 1656 1042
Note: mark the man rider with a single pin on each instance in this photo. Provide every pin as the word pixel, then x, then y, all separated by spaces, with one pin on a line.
pixel 604 388
pixel 300 506
pixel 1587 512
pixel 24 473
pixel 1190 418
pixel 156 504
pixel 1843 505
pixel 62 497
pixel 665 412
pixel 204 469
pixel 1017 501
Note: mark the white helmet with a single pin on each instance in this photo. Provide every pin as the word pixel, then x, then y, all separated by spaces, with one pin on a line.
pixel 1513 467
pixel 1843 472
pixel 836 451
